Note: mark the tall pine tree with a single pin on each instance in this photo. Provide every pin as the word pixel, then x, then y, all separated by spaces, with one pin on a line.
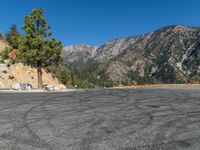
pixel 36 47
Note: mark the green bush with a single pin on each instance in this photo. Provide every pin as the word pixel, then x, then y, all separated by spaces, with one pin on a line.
pixel 67 77
pixel 5 53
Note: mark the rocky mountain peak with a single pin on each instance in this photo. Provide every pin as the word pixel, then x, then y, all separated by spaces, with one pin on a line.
pixel 76 53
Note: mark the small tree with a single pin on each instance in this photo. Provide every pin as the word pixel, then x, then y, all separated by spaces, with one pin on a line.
pixel 12 36
pixel 36 48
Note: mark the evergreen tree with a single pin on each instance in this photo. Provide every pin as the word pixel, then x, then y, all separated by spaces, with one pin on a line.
pixel 12 36
pixel 36 48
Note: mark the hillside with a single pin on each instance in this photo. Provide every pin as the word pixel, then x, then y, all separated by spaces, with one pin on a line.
pixel 168 55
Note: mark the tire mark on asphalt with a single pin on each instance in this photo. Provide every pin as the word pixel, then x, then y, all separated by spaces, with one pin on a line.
pixel 22 124
pixel 168 119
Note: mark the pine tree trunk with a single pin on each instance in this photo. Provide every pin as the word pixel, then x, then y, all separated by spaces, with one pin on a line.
pixel 39 73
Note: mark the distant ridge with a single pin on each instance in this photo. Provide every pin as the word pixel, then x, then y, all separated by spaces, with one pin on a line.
pixel 170 54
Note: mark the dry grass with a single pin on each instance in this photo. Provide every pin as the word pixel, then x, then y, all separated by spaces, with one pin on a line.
pixel 162 86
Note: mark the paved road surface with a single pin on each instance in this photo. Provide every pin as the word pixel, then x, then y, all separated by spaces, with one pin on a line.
pixel 128 119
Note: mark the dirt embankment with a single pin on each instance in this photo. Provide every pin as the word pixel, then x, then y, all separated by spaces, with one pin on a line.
pixel 20 73
pixel 10 74
pixel 3 44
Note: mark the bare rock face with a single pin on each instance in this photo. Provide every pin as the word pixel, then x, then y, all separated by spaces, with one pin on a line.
pixel 168 55
pixel 117 72
pixel 114 48
pixel 79 53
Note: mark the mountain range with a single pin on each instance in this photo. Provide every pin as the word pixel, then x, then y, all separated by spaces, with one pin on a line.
pixel 168 55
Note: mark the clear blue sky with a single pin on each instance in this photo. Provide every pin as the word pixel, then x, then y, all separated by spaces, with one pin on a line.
pixel 94 22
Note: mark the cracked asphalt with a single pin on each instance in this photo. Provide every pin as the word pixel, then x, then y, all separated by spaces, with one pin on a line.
pixel 112 119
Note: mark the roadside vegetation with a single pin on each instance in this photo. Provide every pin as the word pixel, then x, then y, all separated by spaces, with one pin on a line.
pixel 67 77
pixel 92 72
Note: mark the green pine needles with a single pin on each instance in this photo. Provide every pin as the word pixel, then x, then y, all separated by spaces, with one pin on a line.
pixel 36 47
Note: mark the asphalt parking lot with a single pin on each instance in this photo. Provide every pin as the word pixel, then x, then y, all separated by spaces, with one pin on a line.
pixel 117 119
